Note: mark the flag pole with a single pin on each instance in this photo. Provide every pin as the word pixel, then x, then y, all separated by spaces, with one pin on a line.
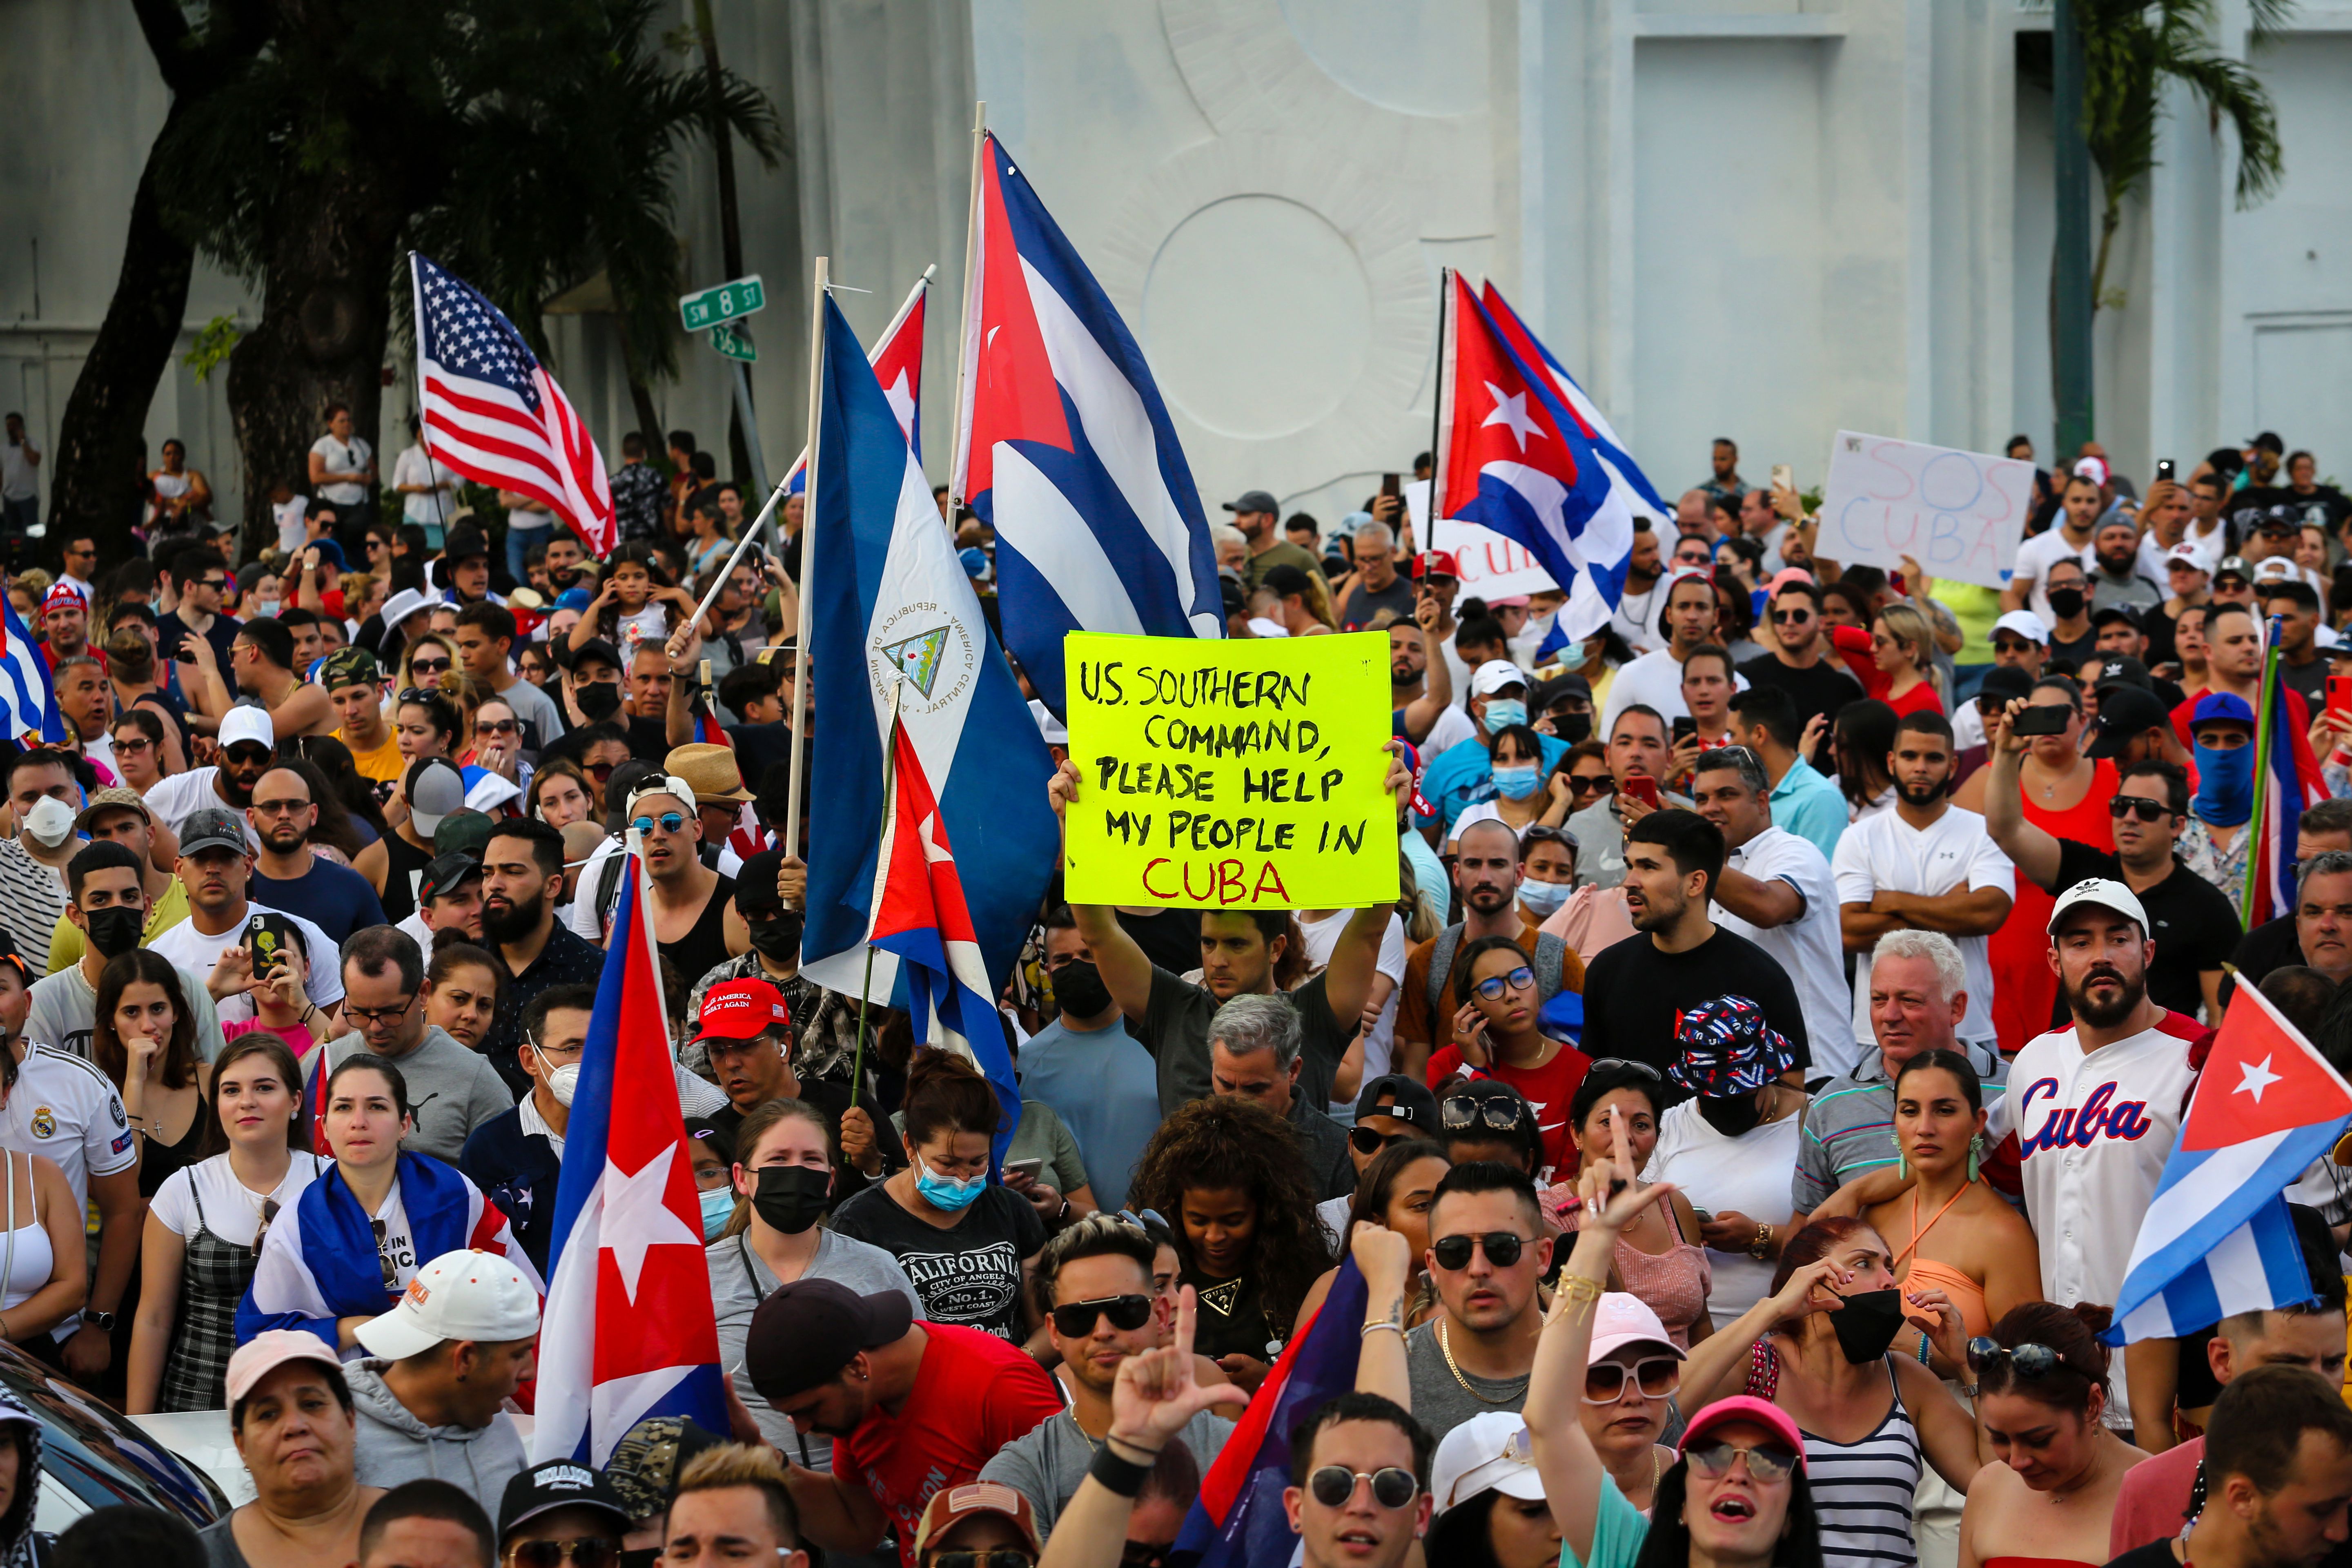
pixel 808 557
pixel 957 466
pixel 1437 411
pixel 889 819
pixel 2265 715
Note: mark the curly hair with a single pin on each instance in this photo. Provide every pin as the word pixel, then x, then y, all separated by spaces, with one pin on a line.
pixel 1221 1142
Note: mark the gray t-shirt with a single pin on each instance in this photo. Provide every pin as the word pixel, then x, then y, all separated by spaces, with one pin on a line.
pixel 1439 1401
pixel 740 1280
pixel 65 1011
pixel 536 709
pixel 451 1090
pixel 1046 1466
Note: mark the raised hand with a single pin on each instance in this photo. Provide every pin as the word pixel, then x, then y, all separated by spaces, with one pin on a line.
pixel 1385 1257
pixel 1156 1394
pixel 791 882
pixel 1062 789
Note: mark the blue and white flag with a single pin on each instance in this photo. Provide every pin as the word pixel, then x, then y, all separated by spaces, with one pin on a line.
pixel 26 693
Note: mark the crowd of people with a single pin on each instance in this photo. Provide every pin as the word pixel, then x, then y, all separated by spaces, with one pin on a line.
pixel 1742 1118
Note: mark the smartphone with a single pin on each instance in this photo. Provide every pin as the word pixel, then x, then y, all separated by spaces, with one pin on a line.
pixel 1391 484
pixel 1704 1217
pixel 2164 470
pixel 2339 698
pixel 1643 789
pixel 1685 728
pixel 1029 1168
pixel 2044 719
pixel 269 936
pixel 1784 477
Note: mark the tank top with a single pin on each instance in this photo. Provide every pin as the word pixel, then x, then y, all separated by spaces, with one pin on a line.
pixel 401 859
pixel 1862 1492
pixel 1674 1283
pixel 704 948
pixel 27 1260
pixel 2027 990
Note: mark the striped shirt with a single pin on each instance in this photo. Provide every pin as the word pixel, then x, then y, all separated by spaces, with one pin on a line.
pixel 32 901
pixel 1862 1492
pixel 1850 1130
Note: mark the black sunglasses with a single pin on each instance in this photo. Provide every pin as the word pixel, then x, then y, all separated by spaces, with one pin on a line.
pixel 1392 1486
pixel 1792 617
pixel 269 1213
pixel 427 666
pixel 1127 1313
pixel 1459 1112
pixel 2132 805
pixel 994 1557
pixel 1502 1247
pixel 1370 1141
pixel 391 1275
pixel 2026 1360
pixel 579 1552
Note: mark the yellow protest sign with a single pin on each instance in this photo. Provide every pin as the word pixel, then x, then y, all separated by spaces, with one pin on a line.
pixel 1231 774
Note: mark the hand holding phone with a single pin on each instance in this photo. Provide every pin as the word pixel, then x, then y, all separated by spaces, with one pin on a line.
pixel 1642 788
pixel 2339 700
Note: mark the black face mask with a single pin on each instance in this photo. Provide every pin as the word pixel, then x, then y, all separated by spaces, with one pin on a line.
pixel 1574 728
pixel 778 938
pixel 791 1198
pixel 115 931
pixel 1732 1116
pixel 1867 1323
pixel 2066 603
pixel 1079 990
pixel 598 701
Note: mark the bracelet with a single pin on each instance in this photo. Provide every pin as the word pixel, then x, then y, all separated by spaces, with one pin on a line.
pixel 1585 1294
pixel 1120 1477
pixel 1926 1350
pixel 1376 1328
pixel 1761 1248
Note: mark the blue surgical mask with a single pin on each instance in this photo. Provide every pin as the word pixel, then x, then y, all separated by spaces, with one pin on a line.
pixel 1502 713
pixel 949 1193
pixel 1543 899
pixel 2225 784
pixel 1517 780
pixel 718 1209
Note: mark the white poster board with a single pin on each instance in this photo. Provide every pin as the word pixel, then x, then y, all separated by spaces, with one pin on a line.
pixel 1492 566
pixel 1958 514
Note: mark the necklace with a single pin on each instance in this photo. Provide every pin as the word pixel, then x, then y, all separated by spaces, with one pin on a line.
pixel 1446 1349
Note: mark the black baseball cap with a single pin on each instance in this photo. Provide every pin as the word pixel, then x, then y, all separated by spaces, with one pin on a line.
pixel 2004 683
pixel 1409 1101
pixel 2126 713
pixel 2121 670
pixel 2115 613
pixel 558 1483
pixel 806 1331
pixel 755 883
pixel 443 874
pixel 1254 500
pixel 1286 580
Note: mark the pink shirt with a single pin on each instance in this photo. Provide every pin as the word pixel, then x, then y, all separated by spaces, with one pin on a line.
pixel 299 1038
pixel 2154 1502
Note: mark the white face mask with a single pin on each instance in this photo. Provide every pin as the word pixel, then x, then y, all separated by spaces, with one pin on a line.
pixel 562 1083
pixel 50 822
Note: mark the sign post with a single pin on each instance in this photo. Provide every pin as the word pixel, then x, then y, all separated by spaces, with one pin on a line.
pixel 709 307
pixel 714 309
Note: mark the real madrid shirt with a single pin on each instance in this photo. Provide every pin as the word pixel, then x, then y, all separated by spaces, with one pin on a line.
pixel 63 1109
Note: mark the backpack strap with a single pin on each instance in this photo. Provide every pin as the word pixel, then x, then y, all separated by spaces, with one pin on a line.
pixel 1441 966
pixel 1551 964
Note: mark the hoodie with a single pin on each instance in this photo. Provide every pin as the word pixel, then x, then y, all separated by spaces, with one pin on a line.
pixel 17 1548
pixel 392 1446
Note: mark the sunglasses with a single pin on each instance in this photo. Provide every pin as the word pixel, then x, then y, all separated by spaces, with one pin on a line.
pixel 269 1213
pixel 1333 1485
pixel 1371 1141
pixel 391 1275
pixel 1142 1554
pixel 495 727
pixel 2119 806
pixel 2026 1360
pixel 1459 1112
pixel 278 807
pixel 1494 985
pixel 994 1557
pixel 601 771
pixel 671 822
pixel 1656 1376
pixel 580 1552
pixel 427 666
pixel 1502 1247
pixel 1767 1462
pixel 1127 1313
pixel 1792 617
pixel 1601 783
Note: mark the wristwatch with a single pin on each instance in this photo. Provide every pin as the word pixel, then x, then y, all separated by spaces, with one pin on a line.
pixel 103 1321
pixel 1759 1247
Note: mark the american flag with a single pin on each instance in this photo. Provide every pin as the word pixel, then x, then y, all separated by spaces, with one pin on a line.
pixel 491 412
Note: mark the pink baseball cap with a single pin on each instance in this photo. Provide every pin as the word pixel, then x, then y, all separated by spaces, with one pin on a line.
pixel 1746 1408
pixel 270 1350
pixel 1783 577
pixel 1623 1319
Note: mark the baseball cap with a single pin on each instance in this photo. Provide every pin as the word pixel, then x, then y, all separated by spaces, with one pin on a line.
pixel 463 1295
pixel 349 667
pixel 1559 689
pixel 1494 675
pixel 647 1462
pixel 465 831
pixel 248 724
pixel 2112 614
pixel 952 1505
pixel 2092 469
pixel 1253 500
pixel 212 827
pixel 1409 1101
pixel 2232 566
pixel 111 795
pixel 2126 713
pixel 330 553
pixel 2275 569
pixel 1261 627
pixel 270 1350
pixel 434 788
pixel 574 599
pixel 2220 708
pixel 806 1331
pixel 2101 892
pixel 595 648
pixel 662 783
pixel 712 772
pixel 443 874
pixel 558 1483
pixel 1490 1452
pixel 1436 563
pixel 1623 1319
pixel 1507 602
pixel 2024 623
pixel 2123 670
pixel 2004 682
pixel 2186 554
pixel 741 1010
pixel 64 595
pixel 2268 441
pixel 1285 579
pixel 755 883
pixel 1746 1408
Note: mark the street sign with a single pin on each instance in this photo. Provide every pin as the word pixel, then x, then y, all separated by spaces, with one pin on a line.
pixel 712 306
pixel 733 342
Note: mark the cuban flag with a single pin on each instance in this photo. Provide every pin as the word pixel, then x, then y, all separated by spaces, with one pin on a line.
pixel 897 362
pixel 1065 448
pixel 1518 462
pixel 1238 1520
pixel 26 689
pixel 628 1330
pixel 889 605
pixel 919 914
pixel 1625 477
pixel 2217 1238
pixel 2293 786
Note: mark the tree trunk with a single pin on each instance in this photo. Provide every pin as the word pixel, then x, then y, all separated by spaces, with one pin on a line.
pixel 96 486
pixel 641 395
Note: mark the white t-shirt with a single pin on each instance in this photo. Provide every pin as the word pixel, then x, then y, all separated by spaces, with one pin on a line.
pixel 193 951
pixel 182 795
pixel 19 481
pixel 2035 559
pixel 1322 936
pixel 343 459
pixel 397 1244
pixel 1811 947
pixel 585 919
pixel 413 468
pixel 1655 680
pixel 288 515
pixel 1886 852
pixel 1748 1174
pixel 2154 564
pixel 1632 620
pixel 63 1109
pixel 232 1211
pixel 1451 729
pixel 1455 667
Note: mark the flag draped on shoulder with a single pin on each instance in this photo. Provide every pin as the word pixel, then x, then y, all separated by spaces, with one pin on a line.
pixel 897 361
pixel 1517 461
pixel 26 693
pixel 491 411
pixel 629 1330
pixel 1065 449
pixel 2217 1238
pixel 890 605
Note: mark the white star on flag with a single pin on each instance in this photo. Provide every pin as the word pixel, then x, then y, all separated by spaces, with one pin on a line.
pixel 637 1219
pixel 1512 413
pixel 2259 1078
pixel 901 401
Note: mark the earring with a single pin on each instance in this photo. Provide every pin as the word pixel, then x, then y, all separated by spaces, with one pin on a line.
pixel 1976 1152
pixel 1902 1164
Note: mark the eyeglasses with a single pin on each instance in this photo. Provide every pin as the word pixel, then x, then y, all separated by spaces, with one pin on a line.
pixel 2144 810
pixel 1371 1141
pixel 1502 1248
pixel 1767 1462
pixel 2026 1360
pixel 427 666
pixel 280 808
pixel 671 822
pixel 1333 1485
pixel 580 1552
pixel 1792 617
pixel 391 1014
pixel 1127 1313
pixel 383 1257
pixel 1457 1112
pixel 269 1213
pixel 1656 1376
pixel 1494 985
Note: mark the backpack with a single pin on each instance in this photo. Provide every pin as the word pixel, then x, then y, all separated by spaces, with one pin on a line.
pixel 1550 962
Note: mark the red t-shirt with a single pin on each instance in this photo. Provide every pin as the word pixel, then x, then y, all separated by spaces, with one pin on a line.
pixel 1922 696
pixel 973 1393
pixel 2153 1502
pixel 1549 1089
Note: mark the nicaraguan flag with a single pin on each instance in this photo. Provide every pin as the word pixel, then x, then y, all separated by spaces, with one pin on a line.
pixel 27 693
pixel 889 605
pixel 628 1330
pixel 2217 1238
pixel 1066 448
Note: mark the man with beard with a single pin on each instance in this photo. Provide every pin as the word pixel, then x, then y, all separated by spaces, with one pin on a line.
pixel 107 908
pixel 1799 663
pixel 1486 873
pixel 1655 680
pixel 1489 1249
pixel 1420 694
pixel 2278 1476
pixel 1634 988
pixel 522 880
pixel 2095 1107
pixel 2115 579
pixel 335 899
pixel 2069 540
pixel 216 867
pixel 247 743
pixel 1635 619
pixel 1927 865
pixel 1637 741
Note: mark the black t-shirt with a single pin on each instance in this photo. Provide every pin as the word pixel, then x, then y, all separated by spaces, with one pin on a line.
pixel 1632 992
pixel 1170 938
pixel 2069 658
pixel 1822 688
pixel 1362 604
pixel 2270 945
pixel 2310 679
pixel 2155 1554
pixel 1176 1033
pixel 969 1275
pixel 2192 921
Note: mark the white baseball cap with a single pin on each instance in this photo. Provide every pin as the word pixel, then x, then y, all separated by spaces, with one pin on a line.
pixel 1494 675
pixel 2187 554
pixel 468 1295
pixel 2025 624
pixel 2103 892
pixel 248 724
pixel 1490 1452
pixel 2273 569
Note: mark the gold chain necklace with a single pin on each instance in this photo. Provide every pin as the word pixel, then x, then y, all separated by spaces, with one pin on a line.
pixel 1446 1349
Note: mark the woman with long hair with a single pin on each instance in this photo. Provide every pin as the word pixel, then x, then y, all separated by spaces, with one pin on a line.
pixel 143 1039
pixel 428 663
pixel 205 1223
pixel 1614 1115
pixel 978 1238
pixel 1497 1034
pixel 2041 1388
pixel 559 793
pixel 1862 738
pixel 1393 1193
pixel 1524 796
pixel 428 723
pixel 44 1262
pixel 1230 1175
pixel 1903 651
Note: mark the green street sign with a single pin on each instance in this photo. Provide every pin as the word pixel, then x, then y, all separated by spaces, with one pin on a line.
pixel 712 306
pixel 733 342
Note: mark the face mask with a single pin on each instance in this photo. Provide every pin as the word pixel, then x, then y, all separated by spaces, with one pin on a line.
pixel 1517 780
pixel 946 1192
pixel 1731 1116
pixel 50 822
pixel 2225 784
pixel 1574 728
pixel 2067 602
pixel 115 931
pixel 1502 713
pixel 265 607
pixel 1079 990
pixel 791 1197
pixel 1867 1323
pixel 1544 897
pixel 718 1209
pixel 562 1083
pixel 598 701
pixel 779 938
